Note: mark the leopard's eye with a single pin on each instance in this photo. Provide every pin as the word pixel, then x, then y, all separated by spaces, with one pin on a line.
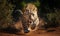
pixel 33 9
pixel 27 10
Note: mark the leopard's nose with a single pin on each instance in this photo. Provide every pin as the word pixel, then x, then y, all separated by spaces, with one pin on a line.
pixel 30 21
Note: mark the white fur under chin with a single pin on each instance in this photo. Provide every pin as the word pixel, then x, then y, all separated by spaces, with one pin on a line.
pixel 30 29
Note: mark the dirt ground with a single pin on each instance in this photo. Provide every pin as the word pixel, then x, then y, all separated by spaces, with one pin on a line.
pixel 50 32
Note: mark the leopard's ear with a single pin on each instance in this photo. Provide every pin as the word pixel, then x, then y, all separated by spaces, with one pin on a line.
pixel 23 10
pixel 35 9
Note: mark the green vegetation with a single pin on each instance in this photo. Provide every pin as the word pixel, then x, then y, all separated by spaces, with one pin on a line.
pixel 6 7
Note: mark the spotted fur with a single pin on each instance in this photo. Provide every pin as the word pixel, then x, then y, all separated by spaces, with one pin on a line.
pixel 30 17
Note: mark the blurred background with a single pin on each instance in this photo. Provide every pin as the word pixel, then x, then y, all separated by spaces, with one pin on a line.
pixel 49 10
